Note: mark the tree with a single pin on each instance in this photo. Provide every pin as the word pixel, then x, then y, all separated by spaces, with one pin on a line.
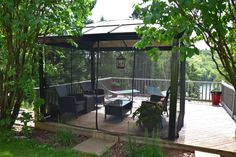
pixel 21 22
pixel 201 67
pixel 209 20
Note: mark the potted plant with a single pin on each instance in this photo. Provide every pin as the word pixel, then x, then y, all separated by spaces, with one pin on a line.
pixel 149 115
pixel 115 85
pixel 215 95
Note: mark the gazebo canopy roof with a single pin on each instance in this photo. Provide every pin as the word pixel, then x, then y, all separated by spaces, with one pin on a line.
pixel 103 36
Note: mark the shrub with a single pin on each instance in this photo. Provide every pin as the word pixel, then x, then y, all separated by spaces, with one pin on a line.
pixel 149 115
pixel 64 136
pixel 150 148
pixel 26 117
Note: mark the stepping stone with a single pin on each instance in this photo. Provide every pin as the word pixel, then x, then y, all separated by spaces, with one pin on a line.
pixel 94 146
pixel 205 154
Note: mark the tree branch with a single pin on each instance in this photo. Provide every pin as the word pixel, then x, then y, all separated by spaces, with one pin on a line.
pixel 234 5
pixel 231 11
pixel 217 66
pixel 215 48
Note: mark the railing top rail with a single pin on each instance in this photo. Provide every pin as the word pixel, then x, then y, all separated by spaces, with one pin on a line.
pixel 73 83
pixel 148 79
pixel 227 85
pixel 151 79
pixel 203 81
pixel 140 79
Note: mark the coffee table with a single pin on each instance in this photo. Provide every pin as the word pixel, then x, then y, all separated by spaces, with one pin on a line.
pixel 118 108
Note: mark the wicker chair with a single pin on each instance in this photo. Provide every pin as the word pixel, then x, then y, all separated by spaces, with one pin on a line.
pixel 163 99
pixel 70 103
pixel 88 91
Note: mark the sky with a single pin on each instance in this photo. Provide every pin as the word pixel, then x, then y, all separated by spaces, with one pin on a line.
pixel 120 9
pixel 113 9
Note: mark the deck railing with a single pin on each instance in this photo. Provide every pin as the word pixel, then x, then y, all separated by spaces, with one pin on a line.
pixel 140 84
pixel 200 90
pixel 228 99
pixel 195 90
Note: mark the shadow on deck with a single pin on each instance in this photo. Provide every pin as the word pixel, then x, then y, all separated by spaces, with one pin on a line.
pixel 114 124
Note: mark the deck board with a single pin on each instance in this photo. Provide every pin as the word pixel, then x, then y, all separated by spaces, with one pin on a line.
pixel 205 125
pixel 208 126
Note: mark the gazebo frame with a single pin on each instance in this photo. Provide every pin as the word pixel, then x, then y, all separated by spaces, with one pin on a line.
pixel 115 40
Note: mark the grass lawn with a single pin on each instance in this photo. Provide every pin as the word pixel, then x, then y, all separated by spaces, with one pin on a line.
pixel 28 148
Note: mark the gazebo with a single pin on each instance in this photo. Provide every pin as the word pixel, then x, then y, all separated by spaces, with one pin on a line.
pixel 116 36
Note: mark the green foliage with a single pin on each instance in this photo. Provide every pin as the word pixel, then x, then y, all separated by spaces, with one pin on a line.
pixel 144 65
pixel 115 84
pixel 28 148
pixel 37 103
pixel 150 148
pixel 4 123
pixel 149 115
pixel 62 63
pixel 108 153
pixel 192 90
pixel 27 105
pixel 190 22
pixel 21 23
pixel 25 118
pixel 201 67
pixel 107 64
pixel 64 136
pixel 6 135
pixel 216 90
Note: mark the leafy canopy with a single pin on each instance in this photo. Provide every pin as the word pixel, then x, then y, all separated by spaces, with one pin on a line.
pixel 21 23
pixel 208 20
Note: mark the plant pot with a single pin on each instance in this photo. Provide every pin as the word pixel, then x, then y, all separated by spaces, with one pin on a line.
pixel 215 98
pixel 115 88
pixel 148 126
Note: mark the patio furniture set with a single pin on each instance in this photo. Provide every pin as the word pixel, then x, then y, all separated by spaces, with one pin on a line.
pixel 80 102
pixel 85 102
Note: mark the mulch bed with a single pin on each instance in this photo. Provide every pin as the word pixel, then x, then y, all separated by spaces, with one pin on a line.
pixel 49 138
pixel 46 137
pixel 118 150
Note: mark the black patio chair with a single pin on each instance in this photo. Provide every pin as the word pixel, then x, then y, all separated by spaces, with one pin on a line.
pixel 70 103
pixel 156 98
pixel 163 99
pixel 88 91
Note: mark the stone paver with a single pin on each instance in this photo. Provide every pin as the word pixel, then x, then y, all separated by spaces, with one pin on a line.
pixel 205 154
pixel 94 146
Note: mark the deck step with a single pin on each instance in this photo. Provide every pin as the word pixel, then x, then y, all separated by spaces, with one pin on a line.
pixel 94 146
pixel 205 154
pixel 98 144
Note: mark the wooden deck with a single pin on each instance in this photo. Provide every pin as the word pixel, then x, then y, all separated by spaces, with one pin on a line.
pixel 111 124
pixel 208 126
pixel 205 125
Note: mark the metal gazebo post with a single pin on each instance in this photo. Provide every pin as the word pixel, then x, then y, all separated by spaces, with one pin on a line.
pixel 93 78
pixel 173 91
pixel 133 76
pixel 182 94
pixel 92 53
pixel 71 73
pixel 41 83
pixel 96 87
